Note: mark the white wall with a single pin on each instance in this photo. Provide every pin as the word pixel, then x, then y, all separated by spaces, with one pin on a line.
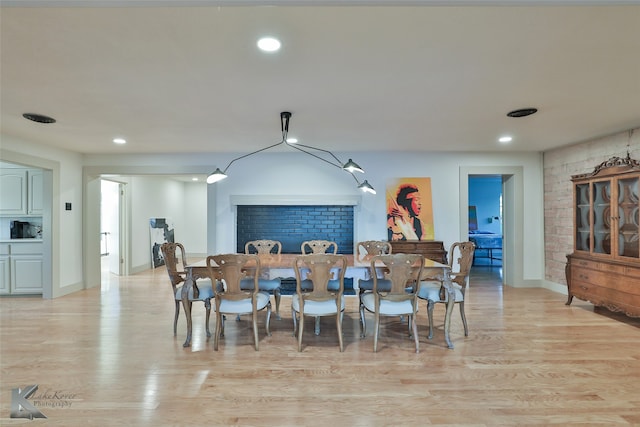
pixel 194 229
pixel 158 197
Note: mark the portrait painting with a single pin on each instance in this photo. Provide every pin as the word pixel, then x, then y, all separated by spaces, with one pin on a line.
pixel 409 209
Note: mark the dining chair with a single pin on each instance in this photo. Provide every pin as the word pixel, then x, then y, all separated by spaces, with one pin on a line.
pixel 460 262
pixel 230 269
pixel 372 248
pixel 263 247
pixel 320 300
pixel 273 286
pixel 400 270
pixel 175 260
pixel 318 247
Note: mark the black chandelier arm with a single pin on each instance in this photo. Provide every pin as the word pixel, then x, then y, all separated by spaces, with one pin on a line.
pixel 319 149
pixel 296 146
pixel 251 154
pixel 354 177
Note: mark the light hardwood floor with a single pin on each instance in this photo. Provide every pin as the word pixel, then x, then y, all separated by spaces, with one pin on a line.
pixel 107 357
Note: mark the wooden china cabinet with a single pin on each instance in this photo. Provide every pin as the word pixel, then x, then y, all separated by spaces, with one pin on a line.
pixel 604 267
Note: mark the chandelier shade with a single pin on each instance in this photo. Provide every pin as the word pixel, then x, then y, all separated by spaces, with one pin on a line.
pixel 215 176
pixel 366 187
pixel 352 166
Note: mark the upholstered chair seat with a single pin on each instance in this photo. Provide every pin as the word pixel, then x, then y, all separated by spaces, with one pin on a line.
pixel 432 291
pixel 316 308
pixel 245 306
pixel 205 291
pixel 387 308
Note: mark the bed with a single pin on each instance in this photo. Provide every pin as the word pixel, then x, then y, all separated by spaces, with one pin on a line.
pixel 486 242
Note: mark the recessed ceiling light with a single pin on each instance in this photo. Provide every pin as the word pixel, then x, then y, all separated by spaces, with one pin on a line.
pixel 39 118
pixel 119 141
pixel 505 139
pixel 269 44
pixel 195 178
pixel 292 140
pixel 522 112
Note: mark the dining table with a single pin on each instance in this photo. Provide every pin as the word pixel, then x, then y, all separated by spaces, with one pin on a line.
pixel 274 266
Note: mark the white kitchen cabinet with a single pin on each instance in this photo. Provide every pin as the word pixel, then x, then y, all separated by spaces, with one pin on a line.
pixel 5 269
pixel 26 274
pixel 34 192
pixel 13 191
pixel 21 191
pixel 21 267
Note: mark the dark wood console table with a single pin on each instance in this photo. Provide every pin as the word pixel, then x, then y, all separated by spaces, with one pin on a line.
pixel 431 249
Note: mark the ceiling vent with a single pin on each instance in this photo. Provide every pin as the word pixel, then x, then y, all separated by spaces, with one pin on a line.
pixel 39 118
pixel 523 112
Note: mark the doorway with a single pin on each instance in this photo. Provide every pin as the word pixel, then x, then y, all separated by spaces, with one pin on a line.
pixel 485 226
pixel 512 223
pixel 485 219
pixel 110 229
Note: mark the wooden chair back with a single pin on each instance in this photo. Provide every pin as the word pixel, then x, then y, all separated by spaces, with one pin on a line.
pixel 263 247
pixel 175 261
pixel 402 270
pixel 231 269
pixel 320 269
pixel 319 247
pixel 460 261
pixel 374 247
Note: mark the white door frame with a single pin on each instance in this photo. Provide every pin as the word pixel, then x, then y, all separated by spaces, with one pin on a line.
pixel 512 227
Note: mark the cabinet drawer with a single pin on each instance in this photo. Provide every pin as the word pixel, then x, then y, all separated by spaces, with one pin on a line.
pixel 613 281
pixel 596 265
pixel 4 249
pixel 633 272
pixel 27 248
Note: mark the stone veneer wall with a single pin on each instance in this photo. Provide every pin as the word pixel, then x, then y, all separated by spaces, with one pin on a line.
pixel 559 165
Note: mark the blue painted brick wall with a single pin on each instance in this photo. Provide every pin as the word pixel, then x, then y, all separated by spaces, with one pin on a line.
pixel 294 224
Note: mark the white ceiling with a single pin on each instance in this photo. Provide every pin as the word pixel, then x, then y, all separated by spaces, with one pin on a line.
pixel 366 76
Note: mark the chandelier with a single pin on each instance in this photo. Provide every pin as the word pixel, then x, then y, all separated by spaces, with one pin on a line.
pixel 324 155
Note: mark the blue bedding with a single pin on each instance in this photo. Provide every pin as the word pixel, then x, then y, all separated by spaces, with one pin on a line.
pixel 486 240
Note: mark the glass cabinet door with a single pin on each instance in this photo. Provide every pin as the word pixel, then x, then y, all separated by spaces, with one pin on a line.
pixel 582 211
pixel 602 217
pixel 628 244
